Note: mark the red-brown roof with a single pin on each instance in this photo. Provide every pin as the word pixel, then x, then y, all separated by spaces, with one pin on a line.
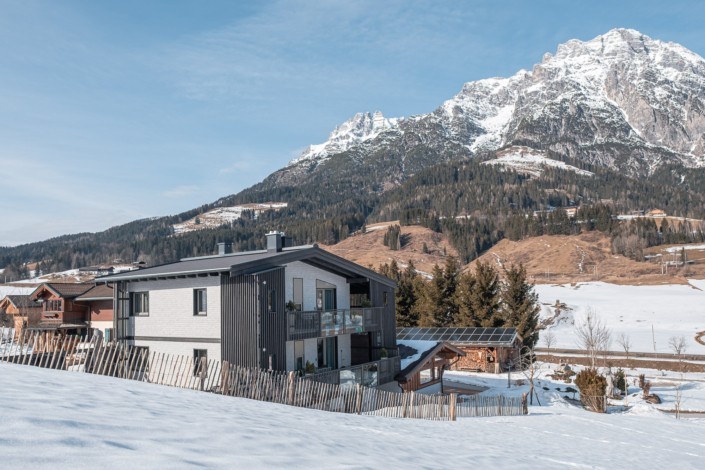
pixel 99 292
pixel 66 290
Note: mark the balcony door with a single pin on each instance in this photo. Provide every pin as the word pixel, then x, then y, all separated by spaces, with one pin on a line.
pixel 328 353
pixel 325 295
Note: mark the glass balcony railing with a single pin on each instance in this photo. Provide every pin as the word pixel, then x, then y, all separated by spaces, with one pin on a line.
pixel 322 323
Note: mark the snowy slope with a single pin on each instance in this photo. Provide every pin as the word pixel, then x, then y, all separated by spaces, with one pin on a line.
pixel 672 310
pixel 533 162
pixel 93 421
pixel 224 215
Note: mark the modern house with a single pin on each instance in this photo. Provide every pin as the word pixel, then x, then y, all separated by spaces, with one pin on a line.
pixel 19 308
pixel 286 308
pixel 98 301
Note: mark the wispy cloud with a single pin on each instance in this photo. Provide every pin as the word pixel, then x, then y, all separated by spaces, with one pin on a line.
pixel 238 166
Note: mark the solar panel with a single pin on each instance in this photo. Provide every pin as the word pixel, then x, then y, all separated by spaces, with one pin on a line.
pixel 460 335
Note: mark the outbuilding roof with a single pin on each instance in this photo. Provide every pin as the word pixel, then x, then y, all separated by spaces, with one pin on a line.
pixel 476 336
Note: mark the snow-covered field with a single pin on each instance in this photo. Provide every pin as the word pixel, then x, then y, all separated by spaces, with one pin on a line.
pixel 59 419
pixel 14 290
pixel 672 310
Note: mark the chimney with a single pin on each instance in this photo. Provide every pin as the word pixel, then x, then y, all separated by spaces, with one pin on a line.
pixel 274 241
pixel 225 248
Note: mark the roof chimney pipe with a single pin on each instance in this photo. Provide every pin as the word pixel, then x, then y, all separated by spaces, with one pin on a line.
pixel 275 241
pixel 225 248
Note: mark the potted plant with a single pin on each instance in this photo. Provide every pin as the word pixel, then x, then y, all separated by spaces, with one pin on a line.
pixel 310 368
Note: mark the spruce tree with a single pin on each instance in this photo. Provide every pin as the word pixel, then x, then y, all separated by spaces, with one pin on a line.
pixel 406 296
pixel 520 305
pixel 485 296
pixel 463 300
pixel 436 301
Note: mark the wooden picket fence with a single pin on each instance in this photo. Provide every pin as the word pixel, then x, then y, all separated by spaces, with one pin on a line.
pixel 93 356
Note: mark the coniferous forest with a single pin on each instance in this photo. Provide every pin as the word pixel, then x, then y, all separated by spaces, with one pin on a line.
pixel 474 205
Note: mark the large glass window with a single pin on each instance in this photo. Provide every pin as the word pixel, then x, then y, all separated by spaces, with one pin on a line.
pixel 140 304
pixel 200 302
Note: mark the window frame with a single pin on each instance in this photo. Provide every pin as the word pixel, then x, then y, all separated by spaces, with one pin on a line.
pixel 199 353
pixel 133 304
pixel 196 303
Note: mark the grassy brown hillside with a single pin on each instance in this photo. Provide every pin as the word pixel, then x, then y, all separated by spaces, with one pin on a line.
pixel 368 248
pixel 548 259
pixel 586 257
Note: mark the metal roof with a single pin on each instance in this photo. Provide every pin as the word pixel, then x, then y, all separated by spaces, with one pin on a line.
pixel 251 262
pixel 461 335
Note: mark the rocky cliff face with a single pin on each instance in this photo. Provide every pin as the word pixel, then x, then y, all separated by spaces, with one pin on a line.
pixel 621 100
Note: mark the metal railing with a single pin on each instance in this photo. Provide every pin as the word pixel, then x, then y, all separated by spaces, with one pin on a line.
pixel 322 323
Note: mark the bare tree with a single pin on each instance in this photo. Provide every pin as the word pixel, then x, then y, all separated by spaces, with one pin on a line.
pixel 625 342
pixel 528 366
pixel 549 339
pixel 593 336
pixel 678 345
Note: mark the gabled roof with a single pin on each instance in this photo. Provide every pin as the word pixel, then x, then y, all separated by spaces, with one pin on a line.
pixel 461 336
pixel 252 262
pixel 65 290
pixel 98 292
pixel 20 301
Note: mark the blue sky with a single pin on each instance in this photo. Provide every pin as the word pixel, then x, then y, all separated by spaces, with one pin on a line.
pixel 116 110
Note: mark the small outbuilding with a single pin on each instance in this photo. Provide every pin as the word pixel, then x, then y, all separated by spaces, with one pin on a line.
pixel 486 349
pixel 423 363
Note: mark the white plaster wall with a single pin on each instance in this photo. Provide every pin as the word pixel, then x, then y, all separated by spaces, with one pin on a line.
pixel 290 360
pixel 171 309
pixel 101 325
pixel 309 274
pixel 178 348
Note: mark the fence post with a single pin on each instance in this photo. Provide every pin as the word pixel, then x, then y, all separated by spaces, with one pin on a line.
pixel 359 391
pixel 225 378
pixel 203 372
pixel 524 404
pixel 291 387
pixel 452 412
pixel 499 405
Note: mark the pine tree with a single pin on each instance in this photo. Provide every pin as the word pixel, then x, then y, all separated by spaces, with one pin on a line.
pixel 463 300
pixel 485 296
pixel 520 306
pixel 436 300
pixel 406 296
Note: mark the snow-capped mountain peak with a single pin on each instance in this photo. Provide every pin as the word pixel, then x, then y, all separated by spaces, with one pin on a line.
pixel 358 129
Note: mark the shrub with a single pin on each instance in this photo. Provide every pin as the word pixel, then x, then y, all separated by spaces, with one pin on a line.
pixel 642 380
pixel 646 389
pixel 592 388
pixel 620 380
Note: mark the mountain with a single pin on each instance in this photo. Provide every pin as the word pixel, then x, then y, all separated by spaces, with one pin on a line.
pixel 622 100
pixel 614 124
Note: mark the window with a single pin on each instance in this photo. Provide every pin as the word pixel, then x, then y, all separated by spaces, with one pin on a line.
pixel 108 335
pixel 200 361
pixel 140 304
pixel 299 293
pixel 385 298
pixel 52 306
pixel 200 303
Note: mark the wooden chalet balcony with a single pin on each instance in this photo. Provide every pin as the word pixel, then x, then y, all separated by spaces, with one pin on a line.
pixel 322 323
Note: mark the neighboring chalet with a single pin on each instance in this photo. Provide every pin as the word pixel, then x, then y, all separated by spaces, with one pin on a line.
pixel 19 308
pixel 285 308
pixel 486 349
pixel 72 308
pixel 99 302
pixel 423 363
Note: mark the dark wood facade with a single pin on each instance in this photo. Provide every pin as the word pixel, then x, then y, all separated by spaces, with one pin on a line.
pixel 252 334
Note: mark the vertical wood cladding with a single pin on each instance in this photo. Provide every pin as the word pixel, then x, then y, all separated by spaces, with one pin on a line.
pixel 388 320
pixel 249 332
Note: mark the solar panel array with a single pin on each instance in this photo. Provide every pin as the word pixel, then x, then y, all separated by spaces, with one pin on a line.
pixel 483 336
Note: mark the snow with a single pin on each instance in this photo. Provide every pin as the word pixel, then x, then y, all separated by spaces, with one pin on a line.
pixel 224 215
pixel 420 346
pixel 531 161
pixel 14 290
pixel 60 419
pixel 677 249
pixel 671 310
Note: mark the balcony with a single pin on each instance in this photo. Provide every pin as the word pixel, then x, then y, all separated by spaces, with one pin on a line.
pixel 370 374
pixel 322 323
